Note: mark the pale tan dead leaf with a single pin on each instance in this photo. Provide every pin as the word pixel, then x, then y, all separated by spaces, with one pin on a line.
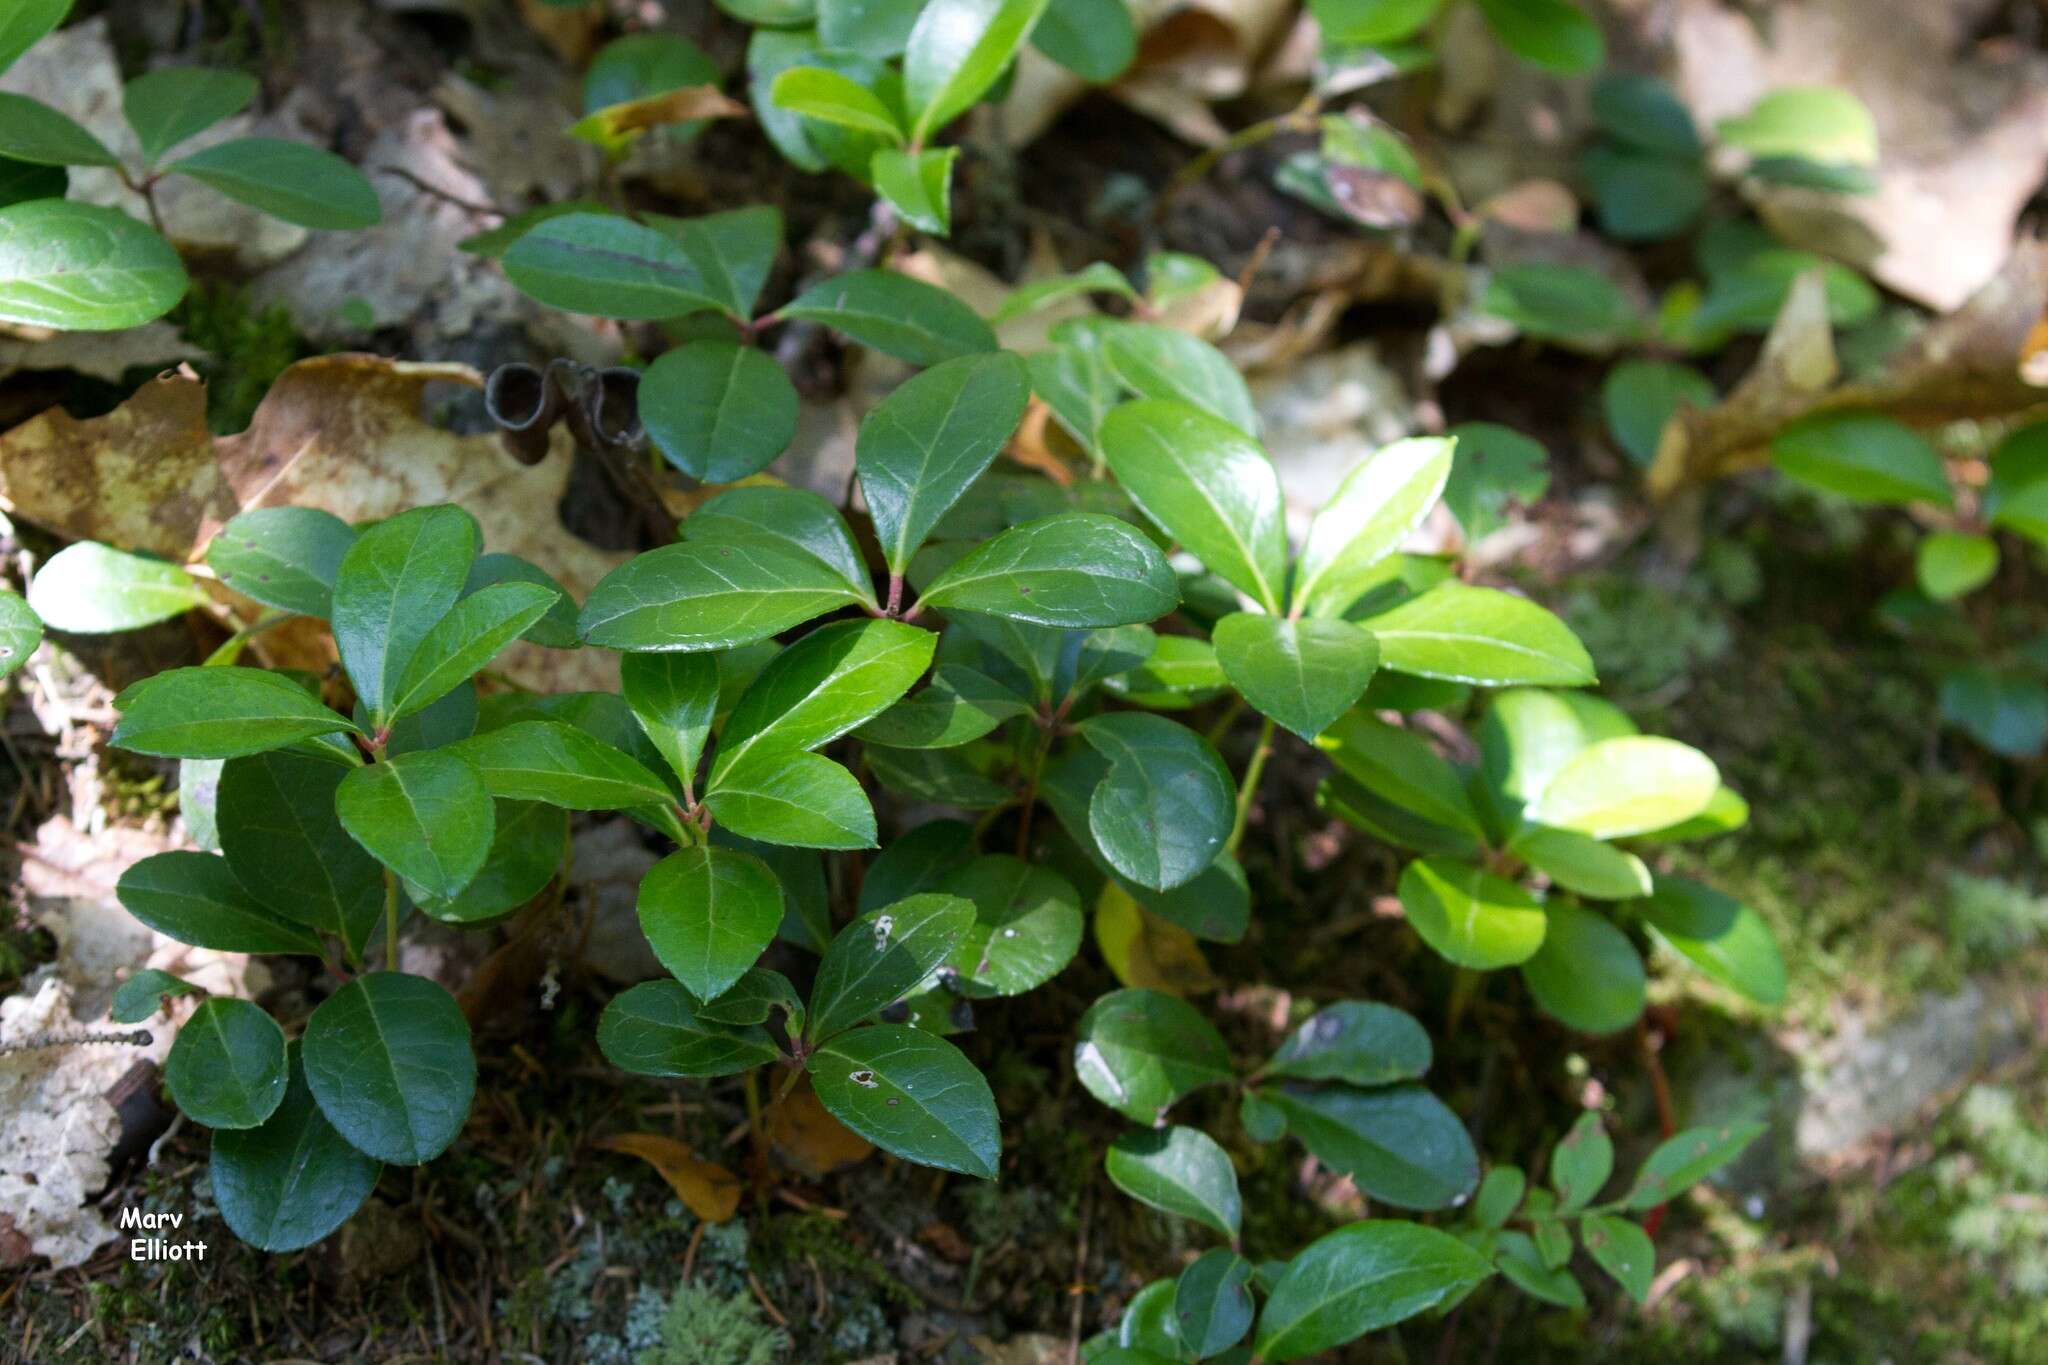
pixel 618 123
pixel 571 32
pixel 343 433
pixel 706 1188
pixel 1974 364
pixel 1146 951
pixel 1534 206
pixel 1032 444
pixel 806 1136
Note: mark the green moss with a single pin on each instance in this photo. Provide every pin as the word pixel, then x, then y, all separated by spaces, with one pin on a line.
pixel 250 349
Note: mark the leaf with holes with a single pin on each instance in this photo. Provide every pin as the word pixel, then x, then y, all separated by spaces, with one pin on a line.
pixel 912 1094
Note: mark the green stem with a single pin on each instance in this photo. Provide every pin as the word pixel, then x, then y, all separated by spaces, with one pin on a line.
pixel 1250 786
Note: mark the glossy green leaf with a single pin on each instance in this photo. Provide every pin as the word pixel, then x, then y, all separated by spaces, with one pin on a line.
pixel 731 252
pixel 821 687
pixel 1162 813
pixel 1161 362
pixel 1094 39
pixel 529 840
pixel 141 996
pixel 194 898
pixel 802 800
pixel 919 185
pixel 819 93
pixel 1358 1279
pixel 275 814
pixel 90 589
pixel 1078 386
pixel 1528 735
pixel 172 103
pixel 794 520
pixel 1342 796
pixel 874 28
pixel 709 594
pixel 1573 305
pixel 1140 1051
pixel 1304 674
pixel 24 22
pixel 958 706
pixel 659 1029
pixel 674 697
pixel 427 816
pixel 1481 636
pixel 609 266
pixel 911 1094
pixel 227 1068
pixel 1646 113
pixel 32 131
pixel 1400 1145
pixel 388 1059
pixel 1496 468
pixel 1400 766
pixel 546 760
pixel 1627 785
pixel 1212 1302
pixel 717 410
pixel 1950 564
pixel 920 859
pixel 884 956
pixel 1521 1258
pixel 709 913
pixel 1375 509
pixel 294 181
pixel 1209 486
pixel 284 557
pixel 956 51
pixel 1821 123
pixel 393 586
pixel 1683 1161
pixel 1622 1249
pixel 894 314
pixel 1472 917
pixel 1027 926
pixel 1354 1041
pixel 1581 1163
pixel 1554 34
pixel 1076 570
pixel 83 268
pixel 1644 196
pixel 1582 864
pixel 1862 455
pixel 1149 1332
pixel 1719 935
pixel 1500 1194
pixel 219 713
pixel 758 994
pixel 464 642
pixel 1178 1170
pixel 1586 974
pixel 1639 397
pixel 287 1184
pixel 921 447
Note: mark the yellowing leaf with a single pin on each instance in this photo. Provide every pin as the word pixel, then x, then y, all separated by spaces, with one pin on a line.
pixel 1147 951
pixel 706 1188
pixel 617 125
pixel 806 1136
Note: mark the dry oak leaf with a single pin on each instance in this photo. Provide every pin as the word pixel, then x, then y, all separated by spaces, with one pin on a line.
pixel 804 1134
pixel 343 433
pixel 706 1188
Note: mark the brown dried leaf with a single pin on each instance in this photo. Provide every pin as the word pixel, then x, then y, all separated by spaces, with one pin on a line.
pixel 617 124
pixel 806 1136
pixel 706 1188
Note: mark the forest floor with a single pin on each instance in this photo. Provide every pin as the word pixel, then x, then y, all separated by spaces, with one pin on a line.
pixel 1898 1210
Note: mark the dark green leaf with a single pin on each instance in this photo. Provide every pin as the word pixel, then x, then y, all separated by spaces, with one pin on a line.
pixel 874 28
pixel 219 713
pixel 546 760
pixel 1074 570
pixel 1644 196
pixel 956 51
pixel 1581 1163
pixel 1178 1170
pixel 919 185
pixel 674 697
pixel 1160 362
pixel 1400 1144
pixel 802 800
pixel 393 586
pixel 1375 509
pixel 556 628
pixel 1719 935
pixel 1354 1041
pixel 1401 767
pixel 1360 1278
pixel 794 520
pixel 1027 926
pixel 1683 1161
pixel 1481 636
pixel 1571 304
pixel 920 860
pixel 884 956
pixel 1500 1194
pixel 228 1067
pixel 821 687
pixel 959 705
pixel 1094 39
pixel 194 898
pixel 141 996
pixel 709 594
pixel 83 268
pixel 1304 674
pixel 1521 1258
pixel 1212 1302
pixel 925 443
pixel 22 181
pixel 1586 974
pixel 427 816
pixel 34 132
pixel 388 1058
pixel 1162 813
pixel 284 557
pixel 709 913
pixel 464 642
pixel 717 410
pixel 1554 34
pixel 659 1029
pixel 1495 468
pixel 732 253
pixel 1640 396
pixel 90 589
pixel 278 830
pixel 1646 113
pixel 1862 455
pixel 1623 1250
pixel 528 842
pixel 1140 1051
pixel 299 183
pixel 910 1094
pixel 609 266
pixel 895 314
pixel 170 104
pixel 289 1183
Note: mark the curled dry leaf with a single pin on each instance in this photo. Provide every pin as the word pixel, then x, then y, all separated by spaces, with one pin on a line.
pixel 342 433
pixel 706 1188
pixel 806 1136
pixel 618 122
pixel 1978 362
